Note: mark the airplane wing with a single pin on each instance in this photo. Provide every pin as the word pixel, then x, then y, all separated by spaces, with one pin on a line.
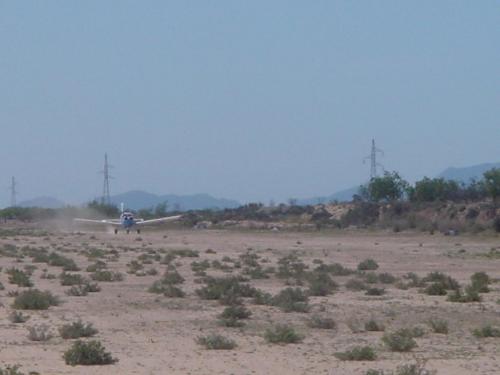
pixel 104 221
pixel 160 220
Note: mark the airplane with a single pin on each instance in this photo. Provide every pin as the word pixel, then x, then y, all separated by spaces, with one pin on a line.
pixel 127 221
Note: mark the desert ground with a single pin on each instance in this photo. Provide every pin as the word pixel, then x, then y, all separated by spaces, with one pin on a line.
pixel 151 333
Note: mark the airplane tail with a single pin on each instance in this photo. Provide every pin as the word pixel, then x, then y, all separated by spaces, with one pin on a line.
pixel 122 207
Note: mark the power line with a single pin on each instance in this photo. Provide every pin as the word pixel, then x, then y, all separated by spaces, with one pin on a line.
pixel 373 160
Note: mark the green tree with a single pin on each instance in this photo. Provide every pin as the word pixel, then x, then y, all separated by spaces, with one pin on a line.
pixel 435 189
pixel 161 209
pixel 389 187
pixel 492 183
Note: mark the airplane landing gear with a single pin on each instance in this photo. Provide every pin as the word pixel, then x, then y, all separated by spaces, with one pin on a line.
pixel 116 231
pixel 128 231
pixel 138 231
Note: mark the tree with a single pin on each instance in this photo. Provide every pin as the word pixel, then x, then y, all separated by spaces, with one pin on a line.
pixel 492 183
pixel 387 188
pixel 435 189
pixel 161 209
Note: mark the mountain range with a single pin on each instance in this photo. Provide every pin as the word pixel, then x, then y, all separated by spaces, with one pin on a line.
pixel 138 199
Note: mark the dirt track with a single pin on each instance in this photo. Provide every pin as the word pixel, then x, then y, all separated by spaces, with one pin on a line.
pixel 153 334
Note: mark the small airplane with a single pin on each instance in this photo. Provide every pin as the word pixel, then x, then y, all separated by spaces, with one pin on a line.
pixel 127 221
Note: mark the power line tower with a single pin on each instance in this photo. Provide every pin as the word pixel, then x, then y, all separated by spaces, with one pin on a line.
pixel 13 192
pixel 373 160
pixel 105 199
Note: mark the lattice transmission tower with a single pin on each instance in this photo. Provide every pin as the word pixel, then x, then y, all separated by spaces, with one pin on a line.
pixel 106 197
pixel 13 192
pixel 373 160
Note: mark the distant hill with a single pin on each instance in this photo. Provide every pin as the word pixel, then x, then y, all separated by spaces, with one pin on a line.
pixel 138 199
pixel 340 196
pixel 43 202
pixel 465 174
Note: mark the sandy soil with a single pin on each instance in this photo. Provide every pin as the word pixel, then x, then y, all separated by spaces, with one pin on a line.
pixel 153 334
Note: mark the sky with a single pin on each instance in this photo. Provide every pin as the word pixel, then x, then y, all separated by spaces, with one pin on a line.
pixel 247 100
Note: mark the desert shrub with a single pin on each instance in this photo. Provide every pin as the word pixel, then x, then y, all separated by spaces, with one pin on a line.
pixel 375 291
pixel 11 370
pixel 480 281
pixel 39 333
pixel 355 285
pixel 185 253
pixel 106 276
pixel 487 331
pixel 321 284
pixel 386 278
pixel 262 298
pixel 172 291
pixel 291 299
pixel 172 277
pixel 367 265
pixel 134 266
pixel 436 289
pixel 414 281
pixel 235 312
pixel 76 330
pixel 358 353
pixel 68 279
pixel 99 265
pixel 374 326
pixel 335 269
pixel 320 322
pixel 18 317
pixel 227 290
pixel 19 277
pixel 447 282
pixel 438 325
pixel 370 278
pixel 399 341
pixel 88 353
pixel 282 333
pixel 291 266
pixel 59 260
pixel 216 342
pixel 35 299
pixel 470 294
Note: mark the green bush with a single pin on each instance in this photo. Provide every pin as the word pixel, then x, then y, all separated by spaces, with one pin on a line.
pixel 438 325
pixel 480 281
pixel 469 295
pixel 19 278
pixel 375 291
pixel 319 322
pixel 436 289
pixel 399 341
pixel 59 260
pixel 358 353
pixel 367 265
pixel 35 299
pixel 88 353
pixel 68 279
pixel 228 291
pixel 355 285
pixel 216 342
pixel 487 331
pixel 374 326
pixel 386 278
pixel 321 284
pixel 76 330
pixel 282 333
pixel 11 370
pixel 447 282
pixel 18 317
pixel 106 276
pixel 291 300
pixel 262 298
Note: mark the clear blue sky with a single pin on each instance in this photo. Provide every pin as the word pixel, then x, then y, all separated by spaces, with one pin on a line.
pixel 250 100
